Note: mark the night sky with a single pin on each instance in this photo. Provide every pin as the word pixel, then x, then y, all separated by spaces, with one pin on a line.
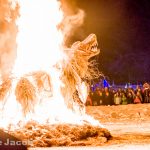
pixel 123 31
pixel 122 28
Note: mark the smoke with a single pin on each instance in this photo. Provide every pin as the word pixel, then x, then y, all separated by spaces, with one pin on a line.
pixel 73 18
pixel 8 31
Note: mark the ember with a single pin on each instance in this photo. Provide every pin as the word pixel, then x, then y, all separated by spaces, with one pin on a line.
pixel 62 135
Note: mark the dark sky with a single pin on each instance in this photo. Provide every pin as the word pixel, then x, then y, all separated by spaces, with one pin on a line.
pixel 123 31
pixel 122 28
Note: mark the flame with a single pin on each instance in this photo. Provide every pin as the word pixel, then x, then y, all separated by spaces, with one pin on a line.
pixel 39 47
pixel 39 41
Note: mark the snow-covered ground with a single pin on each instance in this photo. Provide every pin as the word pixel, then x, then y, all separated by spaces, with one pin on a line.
pixel 128 124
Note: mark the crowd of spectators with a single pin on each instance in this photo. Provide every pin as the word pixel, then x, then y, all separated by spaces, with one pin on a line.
pixel 124 96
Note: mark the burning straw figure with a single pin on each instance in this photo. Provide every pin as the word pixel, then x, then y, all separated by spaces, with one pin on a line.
pixel 33 102
pixel 79 69
pixel 75 72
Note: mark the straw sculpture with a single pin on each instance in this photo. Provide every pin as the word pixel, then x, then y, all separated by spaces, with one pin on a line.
pixel 5 88
pixel 79 68
pixel 43 81
pixel 76 69
pixel 26 95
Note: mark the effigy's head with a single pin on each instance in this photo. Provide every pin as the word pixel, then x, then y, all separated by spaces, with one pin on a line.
pixel 87 46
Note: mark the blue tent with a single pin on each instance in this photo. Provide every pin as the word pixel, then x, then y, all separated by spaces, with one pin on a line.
pixel 105 83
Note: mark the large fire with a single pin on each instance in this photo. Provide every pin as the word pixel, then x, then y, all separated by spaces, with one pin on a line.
pixel 46 84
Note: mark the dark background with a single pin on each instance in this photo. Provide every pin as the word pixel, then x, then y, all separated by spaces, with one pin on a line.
pixel 122 28
pixel 123 31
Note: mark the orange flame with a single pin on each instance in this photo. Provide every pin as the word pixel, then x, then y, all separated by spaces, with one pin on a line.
pixel 40 48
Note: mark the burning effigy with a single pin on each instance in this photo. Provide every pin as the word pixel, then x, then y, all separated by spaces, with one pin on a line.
pixel 43 99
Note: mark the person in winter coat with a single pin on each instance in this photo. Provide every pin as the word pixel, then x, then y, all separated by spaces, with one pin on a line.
pixel 100 100
pixel 138 98
pixel 108 97
pixel 124 99
pixel 146 92
pixel 117 99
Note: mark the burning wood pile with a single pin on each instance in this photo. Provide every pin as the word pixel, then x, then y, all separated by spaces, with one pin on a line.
pixel 61 135
pixel 4 88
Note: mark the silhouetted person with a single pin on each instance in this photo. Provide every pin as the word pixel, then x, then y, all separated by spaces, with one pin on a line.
pixel 108 97
pixel 146 92
pixel 94 98
pixel 100 99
